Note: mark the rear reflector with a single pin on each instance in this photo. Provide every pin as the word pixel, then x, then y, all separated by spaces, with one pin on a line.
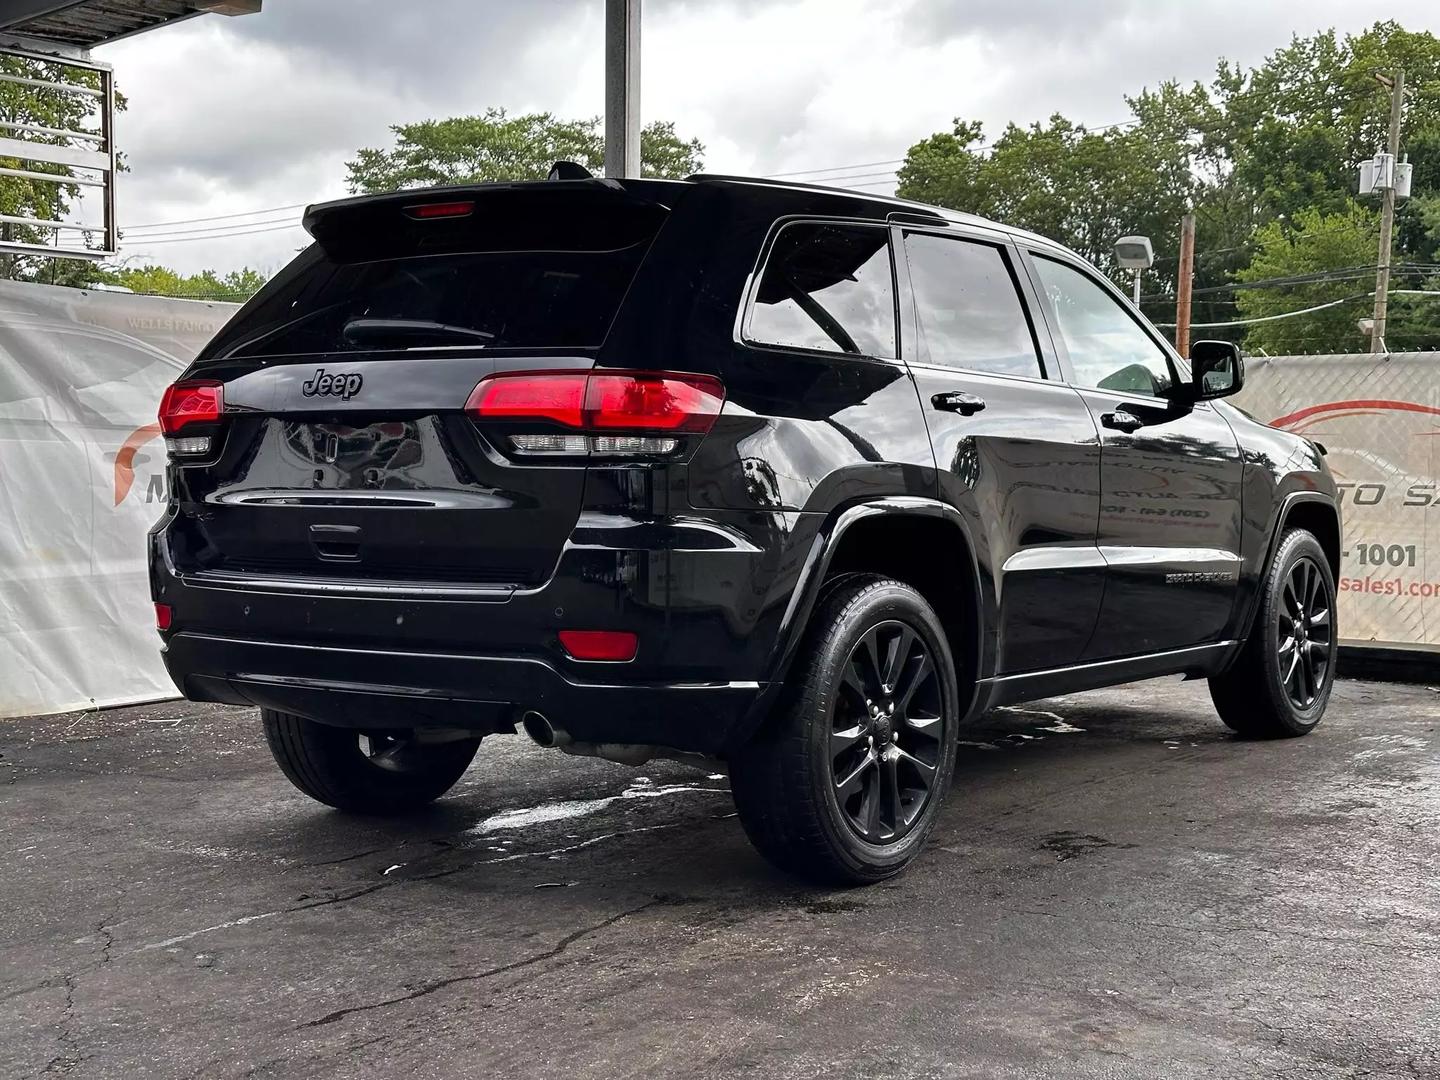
pixel 163 616
pixel 190 403
pixel 634 401
pixel 600 644
pixel 440 210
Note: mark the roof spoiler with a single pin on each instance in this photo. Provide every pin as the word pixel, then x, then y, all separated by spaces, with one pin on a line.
pixel 325 221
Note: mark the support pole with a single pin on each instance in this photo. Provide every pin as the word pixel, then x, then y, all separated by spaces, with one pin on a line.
pixel 1387 217
pixel 1184 285
pixel 622 88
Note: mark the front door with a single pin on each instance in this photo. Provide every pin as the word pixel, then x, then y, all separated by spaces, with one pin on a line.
pixel 1017 452
pixel 1170 474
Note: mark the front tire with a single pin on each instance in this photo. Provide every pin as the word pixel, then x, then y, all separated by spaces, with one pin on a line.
pixel 1280 684
pixel 364 772
pixel 846 783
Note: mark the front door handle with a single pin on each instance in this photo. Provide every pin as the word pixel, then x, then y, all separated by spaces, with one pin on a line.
pixel 958 401
pixel 1121 420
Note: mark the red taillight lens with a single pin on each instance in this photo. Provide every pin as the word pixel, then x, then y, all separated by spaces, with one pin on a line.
pixel 640 401
pixel 556 397
pixel 163 616
pixel 602 401
pixel 600 644
pixel 440 209
pixel 190 403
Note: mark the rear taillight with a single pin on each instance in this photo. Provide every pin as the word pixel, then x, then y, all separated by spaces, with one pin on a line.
pixel 186 403
pixel 639 412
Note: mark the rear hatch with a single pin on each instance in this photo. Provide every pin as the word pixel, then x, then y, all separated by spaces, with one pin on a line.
pixel 326 435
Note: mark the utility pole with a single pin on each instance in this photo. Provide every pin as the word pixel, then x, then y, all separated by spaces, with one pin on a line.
pixel 622 88
pixel 1184 285
pixel 1387 213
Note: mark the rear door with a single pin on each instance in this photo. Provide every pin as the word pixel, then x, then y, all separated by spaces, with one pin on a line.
pixel 1170 472
pixel 344 450
pixel 1016 449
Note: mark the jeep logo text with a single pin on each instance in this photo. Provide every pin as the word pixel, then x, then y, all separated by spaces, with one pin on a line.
pixel 341 384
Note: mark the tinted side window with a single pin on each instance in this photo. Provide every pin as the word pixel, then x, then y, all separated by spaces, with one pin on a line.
pixel 827 287
pixel 969 306
pixel 1108 350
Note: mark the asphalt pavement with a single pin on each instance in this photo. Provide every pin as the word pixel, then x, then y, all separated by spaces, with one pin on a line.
pixel 1118 887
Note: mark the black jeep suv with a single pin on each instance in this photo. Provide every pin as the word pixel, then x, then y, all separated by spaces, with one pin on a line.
pixel 791 477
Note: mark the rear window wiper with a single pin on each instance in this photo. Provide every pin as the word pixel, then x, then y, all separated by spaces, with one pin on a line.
pixel 366 331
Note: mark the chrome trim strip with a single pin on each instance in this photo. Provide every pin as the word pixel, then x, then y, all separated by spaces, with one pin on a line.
pixel 1196 651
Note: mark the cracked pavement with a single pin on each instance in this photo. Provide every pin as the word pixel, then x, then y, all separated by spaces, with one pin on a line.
pixel 1144 896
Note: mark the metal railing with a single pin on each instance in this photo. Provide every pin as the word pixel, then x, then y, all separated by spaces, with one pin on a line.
pixel 91 152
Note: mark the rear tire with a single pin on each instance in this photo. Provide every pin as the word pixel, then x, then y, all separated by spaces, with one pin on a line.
pixel 845 783
pixel 1280 684
pixel 363 772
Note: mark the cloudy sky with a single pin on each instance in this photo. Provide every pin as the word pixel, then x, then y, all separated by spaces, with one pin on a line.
pixel 233 123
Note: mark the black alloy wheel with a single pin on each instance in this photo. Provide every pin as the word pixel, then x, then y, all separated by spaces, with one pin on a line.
pixel 886 733
pixel 1303 633
pixel 1280 680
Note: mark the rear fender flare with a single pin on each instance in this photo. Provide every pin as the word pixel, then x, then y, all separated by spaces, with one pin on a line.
pixel 806 595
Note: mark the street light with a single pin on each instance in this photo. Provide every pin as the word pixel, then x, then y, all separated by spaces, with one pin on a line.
pixel 1135 253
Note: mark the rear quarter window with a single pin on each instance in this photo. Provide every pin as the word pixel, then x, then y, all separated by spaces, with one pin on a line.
pixel 827 287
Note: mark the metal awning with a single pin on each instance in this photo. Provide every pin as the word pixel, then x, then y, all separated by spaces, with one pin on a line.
pixel 85 24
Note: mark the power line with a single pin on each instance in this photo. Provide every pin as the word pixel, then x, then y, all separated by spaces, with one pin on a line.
pixel 217 217
pixel 147 241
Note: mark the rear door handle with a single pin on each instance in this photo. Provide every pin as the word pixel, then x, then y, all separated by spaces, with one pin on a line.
pixel 958 401
pixel 1121 420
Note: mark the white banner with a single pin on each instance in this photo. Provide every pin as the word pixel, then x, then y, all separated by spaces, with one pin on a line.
pixel 1378 418
pixel 81 482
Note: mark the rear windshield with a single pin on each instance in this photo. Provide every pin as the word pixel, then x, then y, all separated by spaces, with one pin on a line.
pixel 550 295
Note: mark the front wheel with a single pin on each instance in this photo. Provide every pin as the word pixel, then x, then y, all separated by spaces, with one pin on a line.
pixel 846 783
pixel 1281 682
pixel 364 772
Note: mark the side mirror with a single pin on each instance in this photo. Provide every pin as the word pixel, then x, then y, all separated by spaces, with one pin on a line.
pixel 1217 369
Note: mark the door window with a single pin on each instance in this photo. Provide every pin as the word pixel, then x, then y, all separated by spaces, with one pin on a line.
pixel 827 287
pixel 1108 349
pixel 968 307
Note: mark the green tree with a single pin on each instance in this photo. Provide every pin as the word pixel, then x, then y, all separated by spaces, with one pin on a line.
pixel 153 280
pixel 1312 243
pixel 497 146
pixel 1256 153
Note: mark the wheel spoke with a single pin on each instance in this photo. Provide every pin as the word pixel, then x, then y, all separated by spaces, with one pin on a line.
pixel 897 652
pixel 929 726
pixel 853 681
pixel 912 679
pixel 853 782
pixel 924 772
pixel 1320 618
pixel 890 793
pixel 867 657
pixel 1288 594
pixel 1307 678
pixel 845 739
pixel 1291 670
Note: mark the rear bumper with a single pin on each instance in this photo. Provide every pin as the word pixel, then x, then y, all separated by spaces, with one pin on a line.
pixel 707 601
pixel 372 688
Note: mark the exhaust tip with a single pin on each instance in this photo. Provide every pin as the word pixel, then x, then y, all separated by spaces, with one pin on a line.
pixel 540 730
